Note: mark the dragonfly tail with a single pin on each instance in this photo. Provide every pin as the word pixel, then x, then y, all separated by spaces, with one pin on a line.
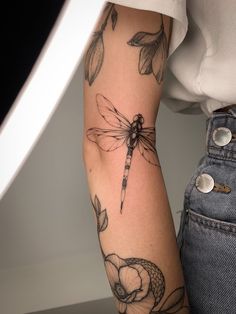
pixel 121 206
pixel 122 199
pixel 125 176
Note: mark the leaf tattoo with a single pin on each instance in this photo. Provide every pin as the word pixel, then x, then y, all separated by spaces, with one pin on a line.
pixel 95 53
pixel 101 215
pixel 94 57
pixel 153 53
pixel 138 285
pixel 114 16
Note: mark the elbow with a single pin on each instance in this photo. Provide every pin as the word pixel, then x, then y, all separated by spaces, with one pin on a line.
pixel 99 161
pixel 93 156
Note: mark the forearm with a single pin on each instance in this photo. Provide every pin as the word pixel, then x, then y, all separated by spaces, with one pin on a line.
pixel 136 231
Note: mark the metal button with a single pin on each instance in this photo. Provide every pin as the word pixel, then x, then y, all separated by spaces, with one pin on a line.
pixel 222 136
pixel 205 183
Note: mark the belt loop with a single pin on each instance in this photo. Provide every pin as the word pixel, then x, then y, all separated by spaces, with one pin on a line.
pixel 221 125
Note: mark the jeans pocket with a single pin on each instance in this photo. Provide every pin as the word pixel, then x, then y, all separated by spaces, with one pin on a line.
pixel 216 203
pixel 208 256
pixel 212 223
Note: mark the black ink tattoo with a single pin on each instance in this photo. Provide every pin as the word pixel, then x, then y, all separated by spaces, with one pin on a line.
pixel 95 53
pixel 138 285
pixel 133 134
pixel 102 218
pixel 153 54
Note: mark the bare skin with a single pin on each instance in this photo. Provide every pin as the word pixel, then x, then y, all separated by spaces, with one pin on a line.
pixel 124 72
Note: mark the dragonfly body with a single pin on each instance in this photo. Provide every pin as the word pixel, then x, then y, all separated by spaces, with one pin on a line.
pixel 132 141
pixel 133 134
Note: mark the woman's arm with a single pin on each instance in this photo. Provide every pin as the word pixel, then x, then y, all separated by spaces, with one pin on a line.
pixel 124 67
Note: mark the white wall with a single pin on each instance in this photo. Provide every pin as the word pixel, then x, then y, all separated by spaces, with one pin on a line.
pixel 49 254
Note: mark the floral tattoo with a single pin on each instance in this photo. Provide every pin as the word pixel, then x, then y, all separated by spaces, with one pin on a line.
pixel 152 56
pixel 138 285
pixel 153 53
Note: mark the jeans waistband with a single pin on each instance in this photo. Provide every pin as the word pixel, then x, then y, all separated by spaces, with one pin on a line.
pixel 221 135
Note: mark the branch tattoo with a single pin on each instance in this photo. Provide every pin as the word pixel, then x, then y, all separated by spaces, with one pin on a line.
pixel 132 134
pixel 138 285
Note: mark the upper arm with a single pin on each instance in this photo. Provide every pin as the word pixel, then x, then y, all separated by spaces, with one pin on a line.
pixel 125 62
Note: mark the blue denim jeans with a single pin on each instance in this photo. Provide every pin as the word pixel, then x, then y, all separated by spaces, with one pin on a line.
pixel 207 234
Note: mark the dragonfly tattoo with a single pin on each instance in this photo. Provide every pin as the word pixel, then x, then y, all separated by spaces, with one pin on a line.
pixel 132 134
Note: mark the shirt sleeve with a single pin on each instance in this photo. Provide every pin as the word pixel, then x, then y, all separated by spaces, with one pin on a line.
pixel 173 8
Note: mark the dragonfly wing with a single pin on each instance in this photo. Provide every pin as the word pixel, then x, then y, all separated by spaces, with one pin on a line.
pixel 107 140
pixel 149 133
pixel 147 147
pixel 110 114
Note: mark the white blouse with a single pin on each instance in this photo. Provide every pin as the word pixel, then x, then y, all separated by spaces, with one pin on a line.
pixel 201 71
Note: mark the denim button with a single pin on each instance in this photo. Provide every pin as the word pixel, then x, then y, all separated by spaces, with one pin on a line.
pixel 222 136
pixel 204 183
